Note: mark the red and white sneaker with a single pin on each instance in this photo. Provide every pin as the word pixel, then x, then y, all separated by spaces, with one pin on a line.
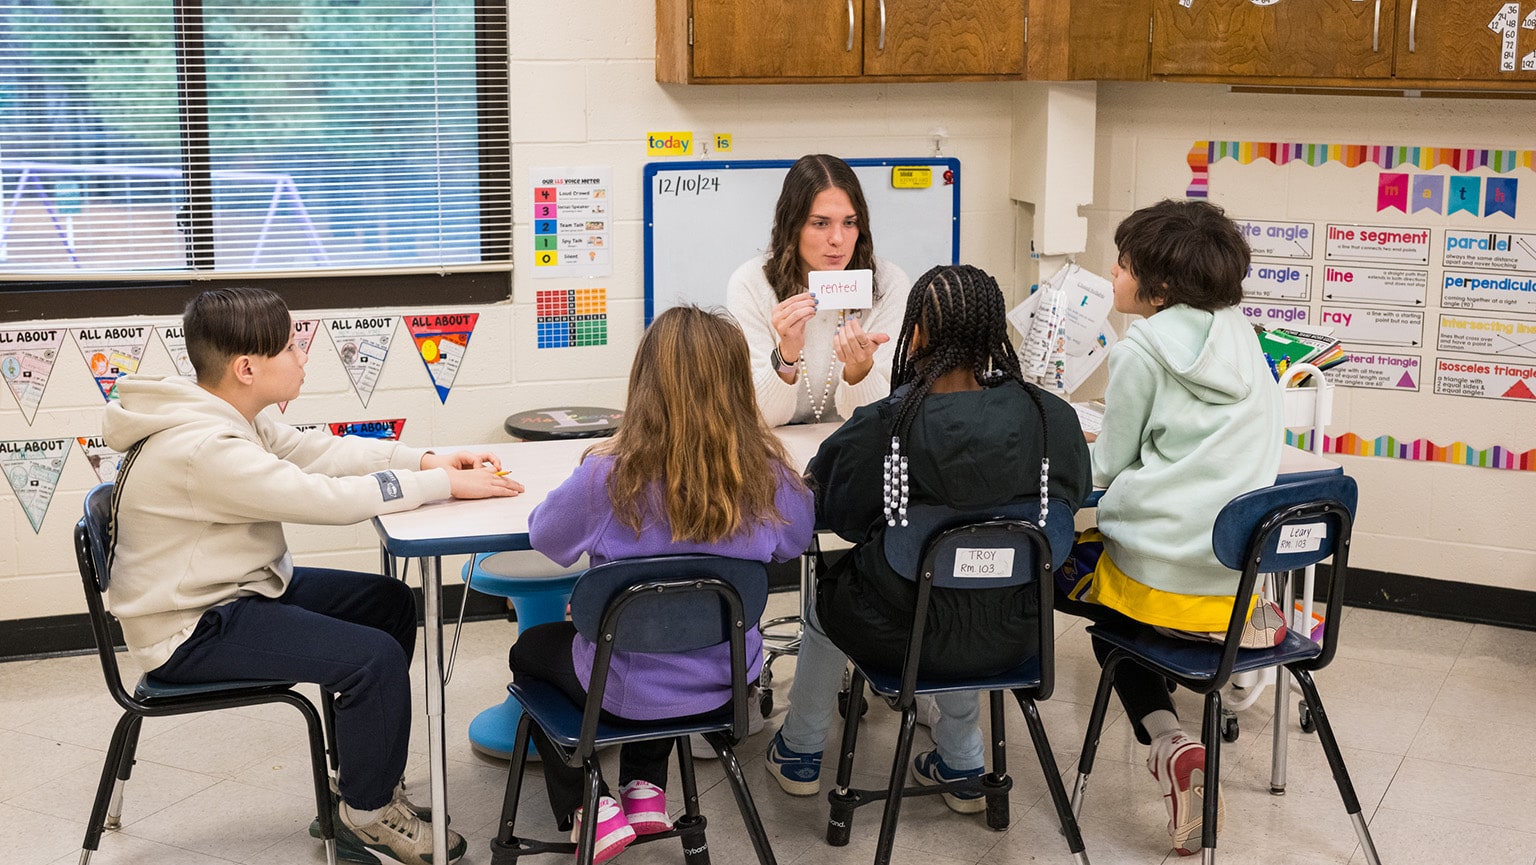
pixel 645 807
pixel 1178 764
pixel 613 831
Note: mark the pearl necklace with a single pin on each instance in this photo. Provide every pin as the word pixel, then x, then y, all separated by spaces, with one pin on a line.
pixel 819 408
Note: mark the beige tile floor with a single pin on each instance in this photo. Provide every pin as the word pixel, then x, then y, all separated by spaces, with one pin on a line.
pixel 1437 720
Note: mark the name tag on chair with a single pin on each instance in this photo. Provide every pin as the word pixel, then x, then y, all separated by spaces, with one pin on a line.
pixel 984 563
pixel 1301 539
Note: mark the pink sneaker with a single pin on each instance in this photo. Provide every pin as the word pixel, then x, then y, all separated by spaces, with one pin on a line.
pixel 613 831
pixel 1178 764
pixel 645 807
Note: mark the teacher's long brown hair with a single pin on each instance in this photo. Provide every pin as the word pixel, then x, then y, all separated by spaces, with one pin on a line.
pixel 807 178
pixel 692 429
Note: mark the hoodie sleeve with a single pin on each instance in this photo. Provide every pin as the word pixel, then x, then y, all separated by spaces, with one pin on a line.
pixel 234 479
pixel 571 519
pixel 1127 410
pixel 796 504
pixel 848 472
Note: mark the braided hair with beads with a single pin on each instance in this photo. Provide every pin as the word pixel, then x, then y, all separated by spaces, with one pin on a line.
pixel 955 320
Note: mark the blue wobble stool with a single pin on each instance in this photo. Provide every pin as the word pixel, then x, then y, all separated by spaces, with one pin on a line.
pixel 539 591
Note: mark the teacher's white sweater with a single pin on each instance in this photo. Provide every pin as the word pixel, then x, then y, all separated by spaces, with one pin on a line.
pixel 751 301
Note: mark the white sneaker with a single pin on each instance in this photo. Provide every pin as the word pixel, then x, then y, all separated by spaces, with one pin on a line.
pixel 1178 764
pixel 398 835
pixel 702 749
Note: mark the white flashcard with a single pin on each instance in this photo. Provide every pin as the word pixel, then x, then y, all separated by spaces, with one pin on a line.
pixel 843 289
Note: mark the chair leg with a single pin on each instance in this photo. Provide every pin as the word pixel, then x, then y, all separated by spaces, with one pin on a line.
pixel 114 819
pixel 842 803
pixel 996 784
pixel 898 783
pixel 1095 728
pixel 586 844
pixel 328 716
pixel 325 812
pixel 1210 734
pixel 1336 764
pixel 506 843
pixel 690 826
pixel 1053 783
pixel 744 803
pixel 109 772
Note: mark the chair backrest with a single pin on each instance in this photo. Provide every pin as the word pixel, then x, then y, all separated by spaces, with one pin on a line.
pixel 668 604
pixel 994 548
pixel 667 621
pixel 904 545
pixel 1288 526
pixel 93 549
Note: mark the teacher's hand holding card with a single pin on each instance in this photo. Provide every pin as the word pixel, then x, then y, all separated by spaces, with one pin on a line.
pixel 843 290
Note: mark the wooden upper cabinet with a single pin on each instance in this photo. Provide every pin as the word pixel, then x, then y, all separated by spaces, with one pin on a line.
pixel 771 41
pixel 777 38
pixel 1454 40
pixel 1317 39
pixel 943 38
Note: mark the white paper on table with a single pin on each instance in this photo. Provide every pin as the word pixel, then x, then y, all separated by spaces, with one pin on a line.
pixel 842 289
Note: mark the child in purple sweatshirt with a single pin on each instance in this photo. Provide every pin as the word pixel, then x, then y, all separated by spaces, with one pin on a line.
pixel 693 469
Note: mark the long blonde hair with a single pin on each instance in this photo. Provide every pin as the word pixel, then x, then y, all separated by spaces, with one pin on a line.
pixel 692 428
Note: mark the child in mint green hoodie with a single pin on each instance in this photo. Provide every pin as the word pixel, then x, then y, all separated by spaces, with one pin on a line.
pixel 1192 419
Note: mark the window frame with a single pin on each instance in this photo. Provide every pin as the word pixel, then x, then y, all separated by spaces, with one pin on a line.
pixel 50 299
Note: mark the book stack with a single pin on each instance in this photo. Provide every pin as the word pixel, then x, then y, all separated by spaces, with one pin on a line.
pixel 1284 346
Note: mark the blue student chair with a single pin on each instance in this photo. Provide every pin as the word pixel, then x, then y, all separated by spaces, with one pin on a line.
pixel 153 698
pixel 926 551
pixel 1279 528
pixel 538 590
pixel 660 604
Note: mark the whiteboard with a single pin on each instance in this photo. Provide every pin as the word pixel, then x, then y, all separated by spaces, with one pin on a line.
pixel 705 219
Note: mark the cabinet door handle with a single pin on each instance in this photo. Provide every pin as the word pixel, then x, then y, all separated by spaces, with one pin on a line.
pixel 849 47
pixel 881 45
pixel 1413 27
pixel 1376 30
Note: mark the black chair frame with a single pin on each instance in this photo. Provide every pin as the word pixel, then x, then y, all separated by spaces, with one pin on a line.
pixel 151 699
pixel 1032 680
pixel 610 614
pixel 1204 668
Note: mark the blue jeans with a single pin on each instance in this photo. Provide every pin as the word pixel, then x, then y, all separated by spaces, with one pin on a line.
pixel 813 701
pixel 350 633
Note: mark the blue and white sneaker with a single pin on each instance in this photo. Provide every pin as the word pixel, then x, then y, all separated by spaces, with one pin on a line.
pixel 798 773
pixel 930 770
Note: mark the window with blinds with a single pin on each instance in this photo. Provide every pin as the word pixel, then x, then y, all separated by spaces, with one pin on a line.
pixel 149 140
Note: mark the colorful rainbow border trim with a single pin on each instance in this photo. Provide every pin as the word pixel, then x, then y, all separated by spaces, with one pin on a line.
pixel 1423 450
pixel 1203 153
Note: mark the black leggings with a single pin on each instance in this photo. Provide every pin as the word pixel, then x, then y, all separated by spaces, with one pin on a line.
pixel 1141 690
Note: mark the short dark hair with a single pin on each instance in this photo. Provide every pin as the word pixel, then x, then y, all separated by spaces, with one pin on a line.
pixel 224 323
pixel 1185 252
pixel 810 176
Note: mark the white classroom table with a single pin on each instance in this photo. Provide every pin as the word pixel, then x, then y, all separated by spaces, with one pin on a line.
pixel 468 526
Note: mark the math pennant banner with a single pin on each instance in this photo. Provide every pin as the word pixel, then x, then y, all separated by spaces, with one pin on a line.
pixel 27 356
pixel 32 467
pixel 441 340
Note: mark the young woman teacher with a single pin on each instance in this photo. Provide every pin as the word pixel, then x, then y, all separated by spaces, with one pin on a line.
pixel 812 366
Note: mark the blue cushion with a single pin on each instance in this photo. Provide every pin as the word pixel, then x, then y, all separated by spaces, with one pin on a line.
pixel 1191 659
pixel 1025 675
pixel 560 719
pixel 150 687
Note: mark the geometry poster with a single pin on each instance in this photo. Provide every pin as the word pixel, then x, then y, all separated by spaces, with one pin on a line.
pixel 111 351
pixel 27 357
pixel 573 317
pixel 572 220
pixel 32 467
pixel 441 340
pixel 363 343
